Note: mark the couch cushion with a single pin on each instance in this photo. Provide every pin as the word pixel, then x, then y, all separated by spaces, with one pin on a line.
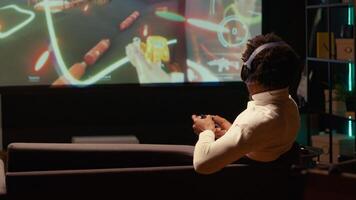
pixel 44 156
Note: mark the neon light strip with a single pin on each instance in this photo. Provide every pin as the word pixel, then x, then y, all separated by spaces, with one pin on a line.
pixel 351 16
pixel 353 76
pixel 351 70
pixel 351 65
pixel 350 127
pixel 351 80
pixel 63 67
pixel 21 25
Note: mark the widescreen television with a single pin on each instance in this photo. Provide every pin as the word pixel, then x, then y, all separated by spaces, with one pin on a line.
pixel 109 42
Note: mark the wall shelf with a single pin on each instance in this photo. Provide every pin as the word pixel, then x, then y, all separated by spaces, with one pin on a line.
pixel 330 60
pixel 332 5
pixel 331 22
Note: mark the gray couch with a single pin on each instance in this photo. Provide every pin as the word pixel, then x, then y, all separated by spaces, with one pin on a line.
pixel 45 156
pixel 134 171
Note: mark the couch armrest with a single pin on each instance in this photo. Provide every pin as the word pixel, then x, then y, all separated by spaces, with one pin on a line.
pixel 2 179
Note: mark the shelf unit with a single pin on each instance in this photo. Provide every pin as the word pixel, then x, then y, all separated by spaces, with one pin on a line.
pixel 327 7
pixel 329 60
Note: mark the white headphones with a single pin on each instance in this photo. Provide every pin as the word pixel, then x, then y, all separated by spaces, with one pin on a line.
pixel 259 49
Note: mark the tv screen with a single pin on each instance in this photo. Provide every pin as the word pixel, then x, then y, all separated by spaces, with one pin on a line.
pixel 105 42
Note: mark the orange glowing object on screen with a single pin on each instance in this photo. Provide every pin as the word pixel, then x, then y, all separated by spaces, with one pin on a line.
pixel 77 71
pixel 42 60
pixel 129 20
pixel 96 52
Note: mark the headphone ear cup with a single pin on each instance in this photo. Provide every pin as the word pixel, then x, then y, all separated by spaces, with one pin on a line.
pixel 245 72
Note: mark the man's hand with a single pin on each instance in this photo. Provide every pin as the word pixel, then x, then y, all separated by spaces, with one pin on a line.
pixel 202 124
pixel 222 126
pixel 219 133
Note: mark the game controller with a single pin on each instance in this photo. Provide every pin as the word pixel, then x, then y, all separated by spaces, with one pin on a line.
pixel 204 116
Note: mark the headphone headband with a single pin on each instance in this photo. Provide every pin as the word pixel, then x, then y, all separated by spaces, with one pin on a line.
pixel 259 49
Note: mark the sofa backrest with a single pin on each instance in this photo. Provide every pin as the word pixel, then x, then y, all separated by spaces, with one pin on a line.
pixel 44 157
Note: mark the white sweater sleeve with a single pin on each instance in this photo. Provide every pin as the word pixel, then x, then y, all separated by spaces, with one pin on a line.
pixel 211 156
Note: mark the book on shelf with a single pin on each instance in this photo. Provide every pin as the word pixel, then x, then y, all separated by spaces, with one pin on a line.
pixel 345 49
pixel 323 48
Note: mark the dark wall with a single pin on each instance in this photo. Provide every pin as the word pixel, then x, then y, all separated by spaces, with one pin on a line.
pixel 153 114
pixel 286 19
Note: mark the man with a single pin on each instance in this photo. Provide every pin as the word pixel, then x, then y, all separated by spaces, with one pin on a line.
pixel 268 127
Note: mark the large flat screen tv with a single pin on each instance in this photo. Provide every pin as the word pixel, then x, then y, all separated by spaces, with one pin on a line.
pixel 112 42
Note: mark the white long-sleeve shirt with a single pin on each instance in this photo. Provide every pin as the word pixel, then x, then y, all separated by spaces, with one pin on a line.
pixel 263 132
